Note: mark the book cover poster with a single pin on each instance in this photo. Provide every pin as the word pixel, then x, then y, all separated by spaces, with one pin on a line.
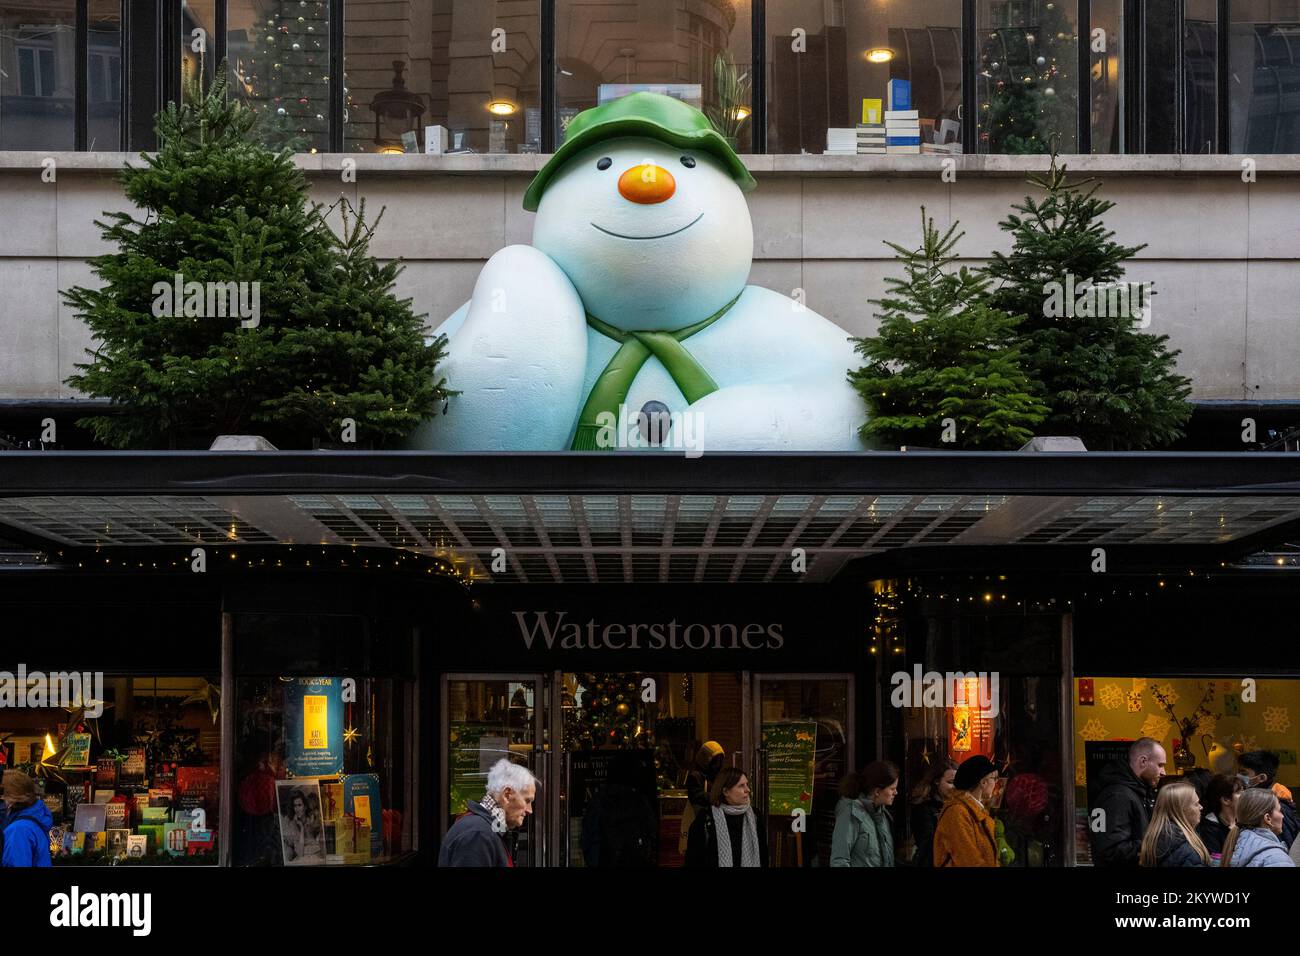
pixel 137 846
pixel 313 726
pixel 302 832
pixel 91 818
pixel 78 753
pixel 133 768
pixel 118 843
pixel 115 814
pixel 361 799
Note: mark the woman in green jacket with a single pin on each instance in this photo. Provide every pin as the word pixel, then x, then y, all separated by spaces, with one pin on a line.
pixel 864 832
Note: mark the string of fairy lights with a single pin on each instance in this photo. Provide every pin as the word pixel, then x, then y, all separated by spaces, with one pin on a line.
pixel 941 596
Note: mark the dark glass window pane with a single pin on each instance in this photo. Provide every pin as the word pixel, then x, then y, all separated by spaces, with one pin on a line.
pixel 197 15
pixel 696 50
pixel 1106 76
pixel 408 68
pixel 279 66
pixel 104 76
pixel 1200 76
pixel 37 75
pixel 825 60
pixel 1027 75
pixel 1264 54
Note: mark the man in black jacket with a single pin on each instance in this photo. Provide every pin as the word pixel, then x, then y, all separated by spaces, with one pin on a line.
pixel 477 837
pixel 1118 819
pixel 1261 767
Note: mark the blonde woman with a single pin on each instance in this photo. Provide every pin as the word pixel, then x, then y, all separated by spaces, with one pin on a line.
pixel 1253 840
pixel 1171 839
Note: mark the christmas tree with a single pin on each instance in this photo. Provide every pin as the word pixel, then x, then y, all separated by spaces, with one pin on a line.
pixel 1027 72
pixel 609 714
pixel 285 76
pixel 1106 382
pixel 329 341
pixel 944 367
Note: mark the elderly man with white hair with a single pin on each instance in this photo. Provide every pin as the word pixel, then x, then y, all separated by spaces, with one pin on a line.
pixel 476 838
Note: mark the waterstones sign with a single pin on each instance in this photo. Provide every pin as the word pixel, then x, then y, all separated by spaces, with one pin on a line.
pixel 551 630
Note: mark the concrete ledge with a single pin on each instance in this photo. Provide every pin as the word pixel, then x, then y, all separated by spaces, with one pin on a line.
pixel 509 164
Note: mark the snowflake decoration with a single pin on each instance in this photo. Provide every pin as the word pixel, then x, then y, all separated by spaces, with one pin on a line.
pixel 1276 720
pixel 1248 742
pixel 1135 702
pixel 1094 730
pixel 1111 696
pixel 1139 684
pixel 1167 691
pixel 1155 727
pixel 1207 725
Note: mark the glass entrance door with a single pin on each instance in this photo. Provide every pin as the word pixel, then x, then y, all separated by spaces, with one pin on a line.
pixel 639 753
pixel 486 718
pixel 803 733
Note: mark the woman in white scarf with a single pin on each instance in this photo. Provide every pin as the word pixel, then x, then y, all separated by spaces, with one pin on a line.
pixel 729 834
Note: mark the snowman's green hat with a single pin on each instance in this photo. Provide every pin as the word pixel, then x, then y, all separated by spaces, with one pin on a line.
pixel 652 115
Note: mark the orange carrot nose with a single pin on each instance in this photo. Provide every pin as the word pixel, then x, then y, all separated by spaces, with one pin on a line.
pixel 647 184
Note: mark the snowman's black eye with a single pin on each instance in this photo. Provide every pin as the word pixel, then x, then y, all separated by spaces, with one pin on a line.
pixel 604 162
pixel 688 162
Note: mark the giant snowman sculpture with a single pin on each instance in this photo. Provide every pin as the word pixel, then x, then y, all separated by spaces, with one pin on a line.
pixel 628 321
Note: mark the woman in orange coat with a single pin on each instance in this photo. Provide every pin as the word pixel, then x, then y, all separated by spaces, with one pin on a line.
pixel 965 835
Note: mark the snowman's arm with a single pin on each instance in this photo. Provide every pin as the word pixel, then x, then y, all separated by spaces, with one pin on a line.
pixel 801 414
pixel 517 355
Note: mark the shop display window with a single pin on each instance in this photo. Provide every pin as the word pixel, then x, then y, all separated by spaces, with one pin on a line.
pixel 831 67
pixel 129 770
pixel 278 54
pixel 1204 724
pixel 1027 76
pixel 960 680
pixel 695 50
pixel 323 760
pixel 467 70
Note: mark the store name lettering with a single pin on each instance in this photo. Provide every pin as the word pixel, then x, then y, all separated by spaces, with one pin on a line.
pixel 554 630
pixel 68 690
pixel 974 689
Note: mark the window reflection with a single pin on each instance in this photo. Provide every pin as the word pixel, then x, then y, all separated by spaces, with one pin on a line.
pixel 471 67
pixel 37 75
pixel 695 50
pixel 104 76
pixel 1265 78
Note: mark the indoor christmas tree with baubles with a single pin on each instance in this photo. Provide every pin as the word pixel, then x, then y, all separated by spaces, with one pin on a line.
pixel 1027 72
pixel 286 77
pixel 610 711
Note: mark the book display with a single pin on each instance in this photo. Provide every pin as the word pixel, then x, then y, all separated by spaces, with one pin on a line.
pixel 122 784
pixel 892 125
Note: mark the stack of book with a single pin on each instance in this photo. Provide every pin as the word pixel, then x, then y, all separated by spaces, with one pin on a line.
pixel 943 149
pixel 902 123
pixel 841 141
pixel 871 138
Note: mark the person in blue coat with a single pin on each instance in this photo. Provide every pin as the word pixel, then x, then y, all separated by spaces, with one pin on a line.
pixel 26 824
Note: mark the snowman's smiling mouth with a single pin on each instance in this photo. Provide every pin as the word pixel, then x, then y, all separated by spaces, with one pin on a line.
pixel 665 235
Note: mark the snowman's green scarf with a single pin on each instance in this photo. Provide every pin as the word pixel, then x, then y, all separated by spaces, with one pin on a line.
pixel 612 385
